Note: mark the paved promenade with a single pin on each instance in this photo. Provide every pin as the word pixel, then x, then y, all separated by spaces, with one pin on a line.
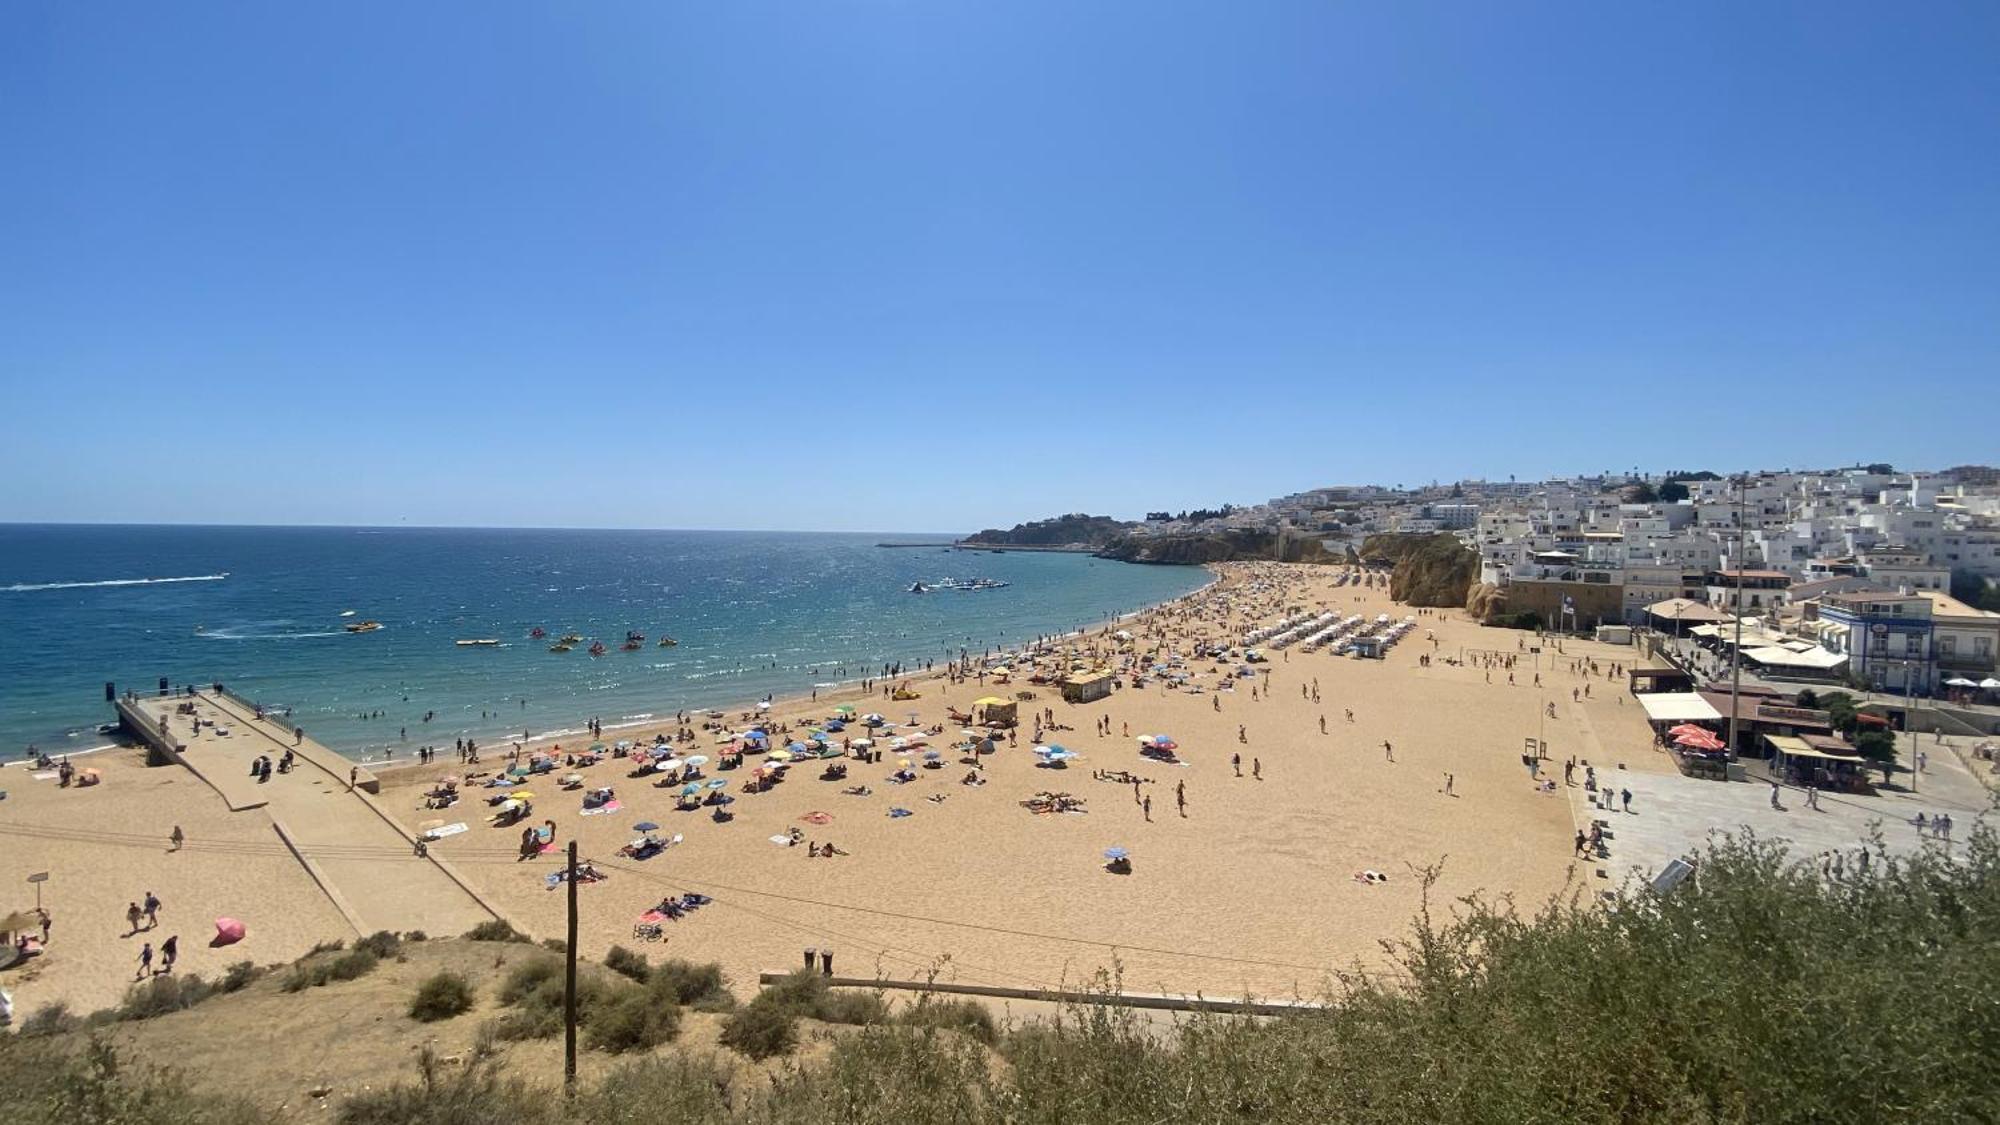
pixel 366 864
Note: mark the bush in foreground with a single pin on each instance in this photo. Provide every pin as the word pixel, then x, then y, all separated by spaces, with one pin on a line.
pixel 632 1019
pixel 624 962
pixel 441 997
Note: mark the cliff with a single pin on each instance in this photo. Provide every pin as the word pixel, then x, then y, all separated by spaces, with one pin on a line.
pixel 1192 549
pixel 1076 529
pixel 1430 570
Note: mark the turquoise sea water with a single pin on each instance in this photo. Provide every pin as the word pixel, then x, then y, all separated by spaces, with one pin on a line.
pixel 259 609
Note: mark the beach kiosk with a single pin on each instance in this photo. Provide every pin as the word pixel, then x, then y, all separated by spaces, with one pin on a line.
pixel 1370 648
pixel 993 709
pixel 1087 687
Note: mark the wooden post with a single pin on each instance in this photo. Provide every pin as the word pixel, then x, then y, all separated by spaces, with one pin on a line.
pixel 569 986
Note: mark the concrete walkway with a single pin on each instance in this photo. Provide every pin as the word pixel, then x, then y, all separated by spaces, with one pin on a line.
pixel 366 864
pixel 1672 815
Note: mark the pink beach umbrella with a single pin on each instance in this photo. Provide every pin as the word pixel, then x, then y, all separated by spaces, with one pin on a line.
pixel 228 931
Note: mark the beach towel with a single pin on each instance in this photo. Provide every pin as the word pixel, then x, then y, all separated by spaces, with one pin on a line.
pixel 548 848
pixel 447 830
pixel 899 813
pixel 608 806
pixel 787 841
pixel 651 917
pixel 46 775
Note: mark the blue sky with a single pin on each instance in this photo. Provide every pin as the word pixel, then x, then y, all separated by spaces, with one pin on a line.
pixel 939 265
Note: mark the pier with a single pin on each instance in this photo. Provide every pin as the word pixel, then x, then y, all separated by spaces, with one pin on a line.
pixel 324 810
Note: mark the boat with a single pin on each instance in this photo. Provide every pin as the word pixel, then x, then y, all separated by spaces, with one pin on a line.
pixel 572 638
pixel 482 642
pixel 347 613
pixel 630 646
pixel 918 588
pixel 561 646
pixel 668 642
pixel 363 627
pixel 635 635
pixel 597 648
pixel 538 632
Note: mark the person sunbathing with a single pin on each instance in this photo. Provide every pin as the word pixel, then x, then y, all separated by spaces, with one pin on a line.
pixel 857 791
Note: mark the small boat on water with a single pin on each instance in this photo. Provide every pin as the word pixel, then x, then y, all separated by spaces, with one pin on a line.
pixel 918 588
pixel 597 648
pixel 363 626
pixel 561 646
pixel 572 638
pixel 347 613
pixel 635 635
pixel 481 642
pixel 630 646
pixel 538 632
pixel 668 642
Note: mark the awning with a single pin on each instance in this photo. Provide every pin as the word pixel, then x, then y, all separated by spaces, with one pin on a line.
pixel 1817 658
pixel 1677 707
pixel 1796 748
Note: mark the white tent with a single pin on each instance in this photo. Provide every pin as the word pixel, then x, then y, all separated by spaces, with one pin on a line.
pixel 1816 658
pixel 1678 707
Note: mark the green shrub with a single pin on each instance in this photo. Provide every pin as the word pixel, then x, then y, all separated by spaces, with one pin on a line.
pixel 676 1087
pixel 161 995
pixel 333 946
pixel 967 1016
pixel 351 965
pixel 381 943
pixel 474 1096
pixel 238 977
pixel 761 1029
pixel 859 1007
pixel 624 961
pixel 441 997
pixel 686 982
pixel 555 945
pixel 496 930
pixel 528 977
pixel 51 1019
pixel 414 936
pixel 633 1019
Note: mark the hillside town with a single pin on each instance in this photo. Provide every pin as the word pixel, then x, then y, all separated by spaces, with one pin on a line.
pixel 1867 577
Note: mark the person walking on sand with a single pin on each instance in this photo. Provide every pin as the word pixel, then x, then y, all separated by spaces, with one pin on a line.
pixel 170 951
pixel 1322 724
pixel 176 838
pixel 1241 736
pixel 1257 768
pixel 1625 795
pixel 133 914
pixel 1388 751
pixel 1581 841
pixel 1180 797
pixel 1146 806
pixel 152 910
pixel 1236 763
pixel 1447 786
pixel 145 961
pixel 353 775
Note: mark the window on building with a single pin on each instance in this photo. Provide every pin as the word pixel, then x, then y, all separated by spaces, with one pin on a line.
pixel 1947 646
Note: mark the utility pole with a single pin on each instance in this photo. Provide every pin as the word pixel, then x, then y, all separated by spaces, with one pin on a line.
pixel 1736 651
pixel 569 986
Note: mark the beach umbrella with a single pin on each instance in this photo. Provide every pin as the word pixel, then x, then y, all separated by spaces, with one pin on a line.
pixel 597 748
pixel 624 744
pixel 898 743
pixel 836 725
pixel 521 795
pixel 1115 853
pixel 572 778
pixel 448 779
pixel 1699 740
pixel 664 767
pixel 872 719
pixel 645 826
pixel 690 789
pixel 697 759
pixel 905 763
pixel 778 756
pixel 509 805
pixel 228 931
pixel 1959 681
pixel 932 755
pixel 862 743
pixel 844 709
pixel 1052 748
pixel 719 783
pixel 1990 684
pixel 518 771
pixel 669 764
pixel 725 736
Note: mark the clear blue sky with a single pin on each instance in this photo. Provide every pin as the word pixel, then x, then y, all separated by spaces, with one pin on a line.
pixel 930 265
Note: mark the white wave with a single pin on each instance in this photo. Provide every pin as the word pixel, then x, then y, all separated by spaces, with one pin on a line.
pixel 28 587
pixel 227 635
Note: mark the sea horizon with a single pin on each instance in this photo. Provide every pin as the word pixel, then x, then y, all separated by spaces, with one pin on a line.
pixel 265 609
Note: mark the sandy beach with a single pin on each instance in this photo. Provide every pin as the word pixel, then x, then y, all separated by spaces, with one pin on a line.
pixel 1252 892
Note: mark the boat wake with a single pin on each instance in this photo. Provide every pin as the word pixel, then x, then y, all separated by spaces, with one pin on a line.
pixel 235 635
pixel 29 587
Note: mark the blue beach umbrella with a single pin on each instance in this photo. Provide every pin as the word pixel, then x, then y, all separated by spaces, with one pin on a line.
pixel 718 783
pixel 796 747
pixel 690 789
pixel 1114 853
pixel 645 826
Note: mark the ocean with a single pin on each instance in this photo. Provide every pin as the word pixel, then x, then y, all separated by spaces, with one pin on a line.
pixel 263 610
